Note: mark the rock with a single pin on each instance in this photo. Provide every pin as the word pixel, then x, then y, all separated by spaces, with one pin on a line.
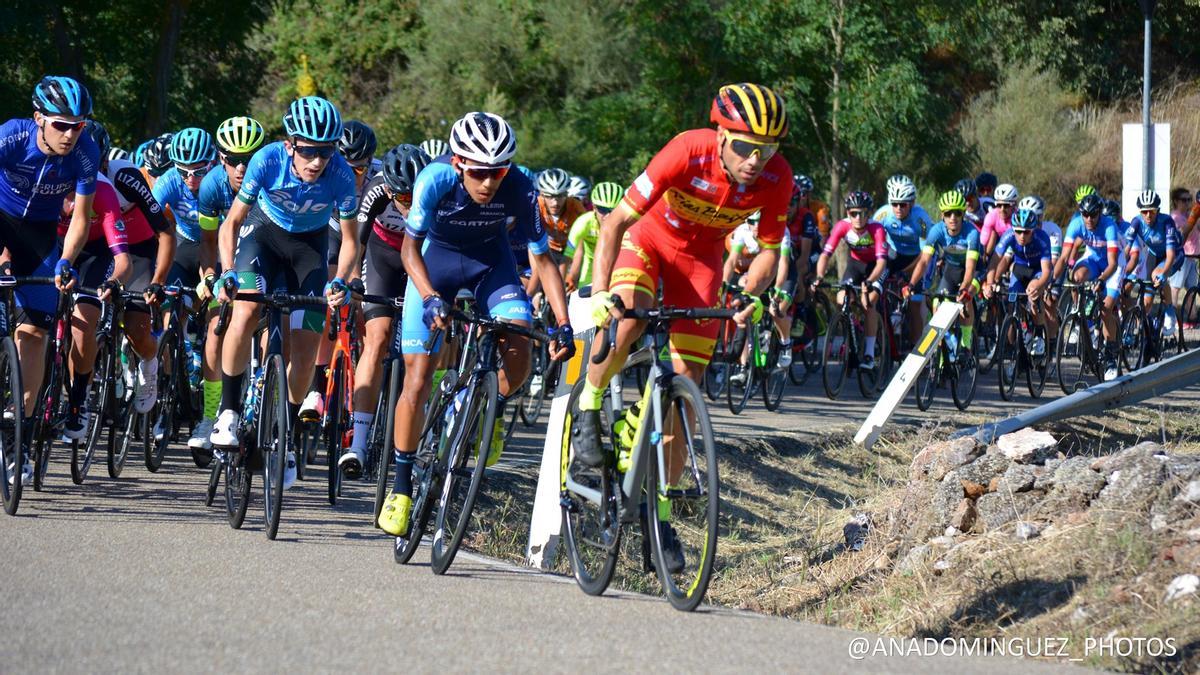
pixel 946 496
pixel 964 515
pixel 1078 517
pixel 1127 457
pixel 943 565
pixel 1027 446
pixel 994 484
pixel 996 509
pixel 1017 478
pixel 1080 614
pixel 1136 480
pixel 1189 493
pixel 1075 476
pixel 954 531
pixel 1181 586
pixel 1157 522
pixel 973 490
pixel 984 469
pixel 940 458
pixel 915 558
pixel 1026 531
pixel 1192 534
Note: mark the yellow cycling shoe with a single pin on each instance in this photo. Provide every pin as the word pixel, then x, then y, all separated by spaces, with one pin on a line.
pixel 497 442
pixel 393 517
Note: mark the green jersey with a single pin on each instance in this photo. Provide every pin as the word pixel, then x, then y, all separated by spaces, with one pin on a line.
pixel 584 234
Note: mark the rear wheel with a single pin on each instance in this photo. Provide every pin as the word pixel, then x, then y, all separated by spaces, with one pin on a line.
pixel 743 379
pixel 965 377
pixel 532 402
pixel 335 427
pixel 1008 355
pixel 1189 319
pixel 1133 339
pixel 1039 366
pixel 926 385
pixel 988 331
pixel 776 378
pixel 1071 359
pixel 381 436
pixel 83 451
pixel 159 425
pixel 872 381
pixel 835 358
pixel 273 441
pixel 591 526
pixel 237 488
pixel 11 428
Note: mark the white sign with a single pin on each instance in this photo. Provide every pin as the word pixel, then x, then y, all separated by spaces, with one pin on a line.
pixel 1160 166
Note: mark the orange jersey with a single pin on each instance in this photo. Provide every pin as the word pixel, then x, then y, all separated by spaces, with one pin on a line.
pixel 685 193
pixel 559 228
pixel 821 211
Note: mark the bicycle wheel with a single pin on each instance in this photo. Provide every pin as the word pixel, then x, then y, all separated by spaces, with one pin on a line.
pixel 470 442
pixel 159 424
pixel 591 526
pixel 1039 366
pixel 273 440
pixel 120 436
pixel 1008 355
pixel 1133 340
pixel 238 477
pixel 334 428
pixel 381 434
pixel 988 331
pixel 965 377
pixel 50 411
pixel 1072 356
pixel 214 479
pixel 685 504
pixel 716 377
pixel 776 378
pixel 83 451
pixel 531 404
pixel 11 429
pixel 835 357
pixel 927 381
pixel 871 381
pixel 743 380
pixel 429 466
pixel 1189 319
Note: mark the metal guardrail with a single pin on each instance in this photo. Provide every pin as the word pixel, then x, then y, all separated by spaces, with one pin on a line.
pixel 1177 372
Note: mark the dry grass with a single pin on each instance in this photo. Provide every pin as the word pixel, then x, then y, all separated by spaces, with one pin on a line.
pixel 785 499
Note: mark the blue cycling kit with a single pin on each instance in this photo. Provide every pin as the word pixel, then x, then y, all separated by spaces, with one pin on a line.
pixel 1158 238
pixel 1030 255
pixel 904 236
pixel 216 196
pixel 467 245
pixel 1098 241
pixel 954 248
pixel 170 190
pixel 291 203
pixel 32 183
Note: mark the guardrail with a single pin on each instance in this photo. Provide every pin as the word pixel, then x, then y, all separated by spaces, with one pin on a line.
pixel 1177 372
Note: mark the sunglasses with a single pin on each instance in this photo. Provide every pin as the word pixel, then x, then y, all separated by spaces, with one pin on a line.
pixel 1185 200
pixel 1091 215
pixel 65 125
pixel 856 213
pixel 236 160
pixel 1004 206
pixel 359 169
pixel 908 204
pixel 745 147
pixel 200 172
pixel 955 212
pixel 402 198
pixel 604 211
pixel 1021 232
pixel 314 151
pixel 1146 212
pixel 485 172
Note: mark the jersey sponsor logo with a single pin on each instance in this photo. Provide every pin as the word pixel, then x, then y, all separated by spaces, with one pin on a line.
pixel 245 231
pixel 691 208
pixel 644 185
pixel 283 199
pixel 701 184
pixel 51 189
pixel 19 182
pixel 120 225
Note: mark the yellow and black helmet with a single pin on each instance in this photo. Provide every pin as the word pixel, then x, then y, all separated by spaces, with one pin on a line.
pixel 751 108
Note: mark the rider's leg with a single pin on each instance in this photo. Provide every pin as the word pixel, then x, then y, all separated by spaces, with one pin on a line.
pixel 83 351
pixel 367 374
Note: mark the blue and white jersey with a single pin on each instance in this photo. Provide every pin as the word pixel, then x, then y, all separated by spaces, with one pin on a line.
pixel 955 249
pixel 216 196
pixel 1158 238
pixel 445 214
pixel 291 203
pixel 1032 254
pixel 170 190
pixel 32 183
pixel 1099 240
pixel 904 236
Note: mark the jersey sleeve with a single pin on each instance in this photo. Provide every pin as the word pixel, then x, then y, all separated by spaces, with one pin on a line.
pixel 1004 247
pixel 881 245
pixel 1110 236
pixel 87 154
pixel 432 183
pixel 670 163
pixel 373 203
pixel 208 203
pixel 578 230
pixel 1172 236
pixel 345 195
pixel 164 192
pixel 529 218
pixel 772 223
pixel 973 247
pixel 1044 240
pixel 935 239
pixel 107 211
pixel 133 186
pixel 989 227
pixel 836 233
pixel 256 177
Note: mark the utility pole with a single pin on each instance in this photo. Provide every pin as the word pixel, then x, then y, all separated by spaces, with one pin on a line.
pixel 1147 141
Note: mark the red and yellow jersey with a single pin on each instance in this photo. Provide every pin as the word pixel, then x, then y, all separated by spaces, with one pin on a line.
pixel 559 228
pixel 687 194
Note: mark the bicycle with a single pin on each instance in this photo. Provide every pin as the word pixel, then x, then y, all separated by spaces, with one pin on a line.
pixel 988 316
pixel 597 503
pixel 12 422
pixel 844 346
pixel 759 343
pixel 337 424
pixel 954 362
pixel 812 317
pixel 1143 336
pixel 50 406
pixel 543 375
pixel 264 428
pixel 1019 335
pixel 1080 341
pixel 1189 313
pixel 180 396
pixel 716 373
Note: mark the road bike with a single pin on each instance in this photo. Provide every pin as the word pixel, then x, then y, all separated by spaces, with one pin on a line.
pixel 845 344
pixel 953 363
pixel 1022 347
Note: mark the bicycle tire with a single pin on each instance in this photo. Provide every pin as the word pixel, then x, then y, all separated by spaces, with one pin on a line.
pixel 1039 366
pixel 776 378
pixel 428 469
pixel 386 411
pixel 737 396
pixel 592 532
pixel 476 418
pixel 49 410
pixel 119 439
pixel 12 431
pixel 1133 338
pixel 716 378
pixel 83 451
pixel 1189 315
pixel 835 357
pixel 925 388
pixel 238 480
pixel 965 377
pixel 1009 341
pixel 687 592
pixel 159 423
pixel 334 427
pixel 273 440
pixel 1072 355
pixel 870 381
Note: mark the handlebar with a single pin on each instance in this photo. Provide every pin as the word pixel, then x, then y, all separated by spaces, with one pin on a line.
pixel 281 299
pixel 655 314
pixel 485 322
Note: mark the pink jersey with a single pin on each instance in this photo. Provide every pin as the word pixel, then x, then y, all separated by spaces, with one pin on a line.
pixel 106 224
pixel 994 224
pixel 1191 246
pixel 866 246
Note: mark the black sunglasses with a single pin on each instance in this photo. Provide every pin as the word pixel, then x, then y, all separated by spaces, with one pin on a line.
pixel 236 160
pixel 314 151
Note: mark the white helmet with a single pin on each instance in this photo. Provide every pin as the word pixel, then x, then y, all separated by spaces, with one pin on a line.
pixel 483 137
pixel 435 147
pixel 900 188
pixel 1006 193
pixel 553 182
pixel 1033 203
pixel 579 187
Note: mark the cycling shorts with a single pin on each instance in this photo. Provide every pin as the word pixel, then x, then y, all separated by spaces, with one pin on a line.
pixel 951 280
pixel 383 274
pixel 858 271
pixel 690 275
pixel 901 263
pixel 34 251
pixel 96 265
pixel 335 246
pixel 489 273
pixel 270 258
pixel 1020 276
pixel 1152 262
pixel 1095 266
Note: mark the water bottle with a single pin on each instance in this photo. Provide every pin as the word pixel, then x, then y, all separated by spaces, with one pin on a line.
pixel 625 429
pixel 194 366
pixel 952 344
pixel 252 399
pixel 896 319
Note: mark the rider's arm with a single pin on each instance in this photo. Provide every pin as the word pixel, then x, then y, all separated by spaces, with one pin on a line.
pixel 922 263
pixel 730 262
pixel 608 244
pixel 228 234
pixel 784 267
pixel 166 254
pixel 348 263
pixel 761 270
pixel 576 267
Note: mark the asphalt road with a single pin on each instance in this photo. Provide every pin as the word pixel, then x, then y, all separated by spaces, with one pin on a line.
pixel 137 575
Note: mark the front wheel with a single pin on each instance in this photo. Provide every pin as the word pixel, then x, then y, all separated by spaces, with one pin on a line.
pixel 1008 355
pixel 776 378
pixel 1072 355
pixel 836 356
pixel 1133 338
pixel 12 430
pixel 159 425
pixel 99 405
pixel 927 381
pixel 684 504
pixel 335 427
pixel 273 440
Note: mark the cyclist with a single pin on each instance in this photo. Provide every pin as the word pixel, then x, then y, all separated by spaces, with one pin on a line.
pixel 117 153
pixel 867 266
pixel 1100 263
pixel 1186 277
pixel 435 147
pixel 1152 235
pixel 357 146
pixel 998 219
pixel 801 247
pixel 986 184
pixel 278 223
pixel 558 209
pixel 382 217
pixel 42 160
pixel 907 225
pixel 455 238
pixel 156 160
pixel 1026 251
pixel 818 208
pixel 975 213
pixel 744 246
pixel 958 247
pixel 581 242
pixel 238 138
pixel 1037 205
pixel 580 188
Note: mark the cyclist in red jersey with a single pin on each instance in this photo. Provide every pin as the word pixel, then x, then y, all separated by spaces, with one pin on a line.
pixel 672 224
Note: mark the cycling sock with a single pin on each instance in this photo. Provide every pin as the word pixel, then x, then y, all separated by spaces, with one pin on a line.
pixel 664 508
pixel 404 467
pixel 320 379
pixel 78 389
pixel 785 344
pixel 870 346
pixel 212 399
pixel 362 428
pixel 591 397
pixel 967 333
pixel 231 391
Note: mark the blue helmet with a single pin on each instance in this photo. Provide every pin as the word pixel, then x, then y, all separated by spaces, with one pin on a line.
pixel 56 95
pixel 139 153
pixel 1025 219
pixel 191 146
pixel 314 119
